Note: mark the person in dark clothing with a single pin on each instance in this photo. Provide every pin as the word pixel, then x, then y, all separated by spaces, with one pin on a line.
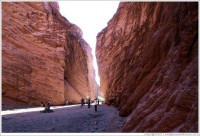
pixel 82 102
pixel 48 106
pixel 95 104
pixel 98 101
pixel 89 102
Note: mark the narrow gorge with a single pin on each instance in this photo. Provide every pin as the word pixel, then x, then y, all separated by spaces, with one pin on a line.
pixel 44 56
pixel 148 65
pixel 147 62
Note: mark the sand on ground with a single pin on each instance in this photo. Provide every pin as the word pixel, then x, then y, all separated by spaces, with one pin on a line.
pixel 64 119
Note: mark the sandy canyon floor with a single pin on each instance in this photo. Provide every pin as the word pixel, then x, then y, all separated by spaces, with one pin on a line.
pixel 64 119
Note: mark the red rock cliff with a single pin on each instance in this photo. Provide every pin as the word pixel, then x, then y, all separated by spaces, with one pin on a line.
pixel 43 55
pixel 148 65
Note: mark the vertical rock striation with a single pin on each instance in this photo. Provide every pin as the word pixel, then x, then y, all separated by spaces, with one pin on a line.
pixel 148 65
pixel 43 55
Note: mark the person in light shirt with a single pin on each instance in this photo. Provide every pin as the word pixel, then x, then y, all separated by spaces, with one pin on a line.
pixel 89 101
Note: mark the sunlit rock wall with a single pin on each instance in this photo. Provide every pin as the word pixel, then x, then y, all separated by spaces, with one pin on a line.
pixel 43 55
pixel 148 65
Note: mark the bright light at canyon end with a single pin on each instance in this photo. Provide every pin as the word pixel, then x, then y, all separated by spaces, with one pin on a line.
pixel 91 17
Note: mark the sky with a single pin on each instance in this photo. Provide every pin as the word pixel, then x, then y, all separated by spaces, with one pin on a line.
pixel 91 17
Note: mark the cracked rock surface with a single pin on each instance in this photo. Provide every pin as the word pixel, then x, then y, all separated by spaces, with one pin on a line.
pixel 44 56
pixel 148 65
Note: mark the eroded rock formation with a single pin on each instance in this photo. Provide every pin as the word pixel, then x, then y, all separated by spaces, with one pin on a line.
pixel 148 65
pixel 43 55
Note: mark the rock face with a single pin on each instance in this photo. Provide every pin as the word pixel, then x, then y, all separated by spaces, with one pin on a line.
pixel 43 55
pixel 148 65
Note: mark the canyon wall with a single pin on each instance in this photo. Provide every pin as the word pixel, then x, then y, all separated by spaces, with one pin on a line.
pixel 148 65
pixel 44 56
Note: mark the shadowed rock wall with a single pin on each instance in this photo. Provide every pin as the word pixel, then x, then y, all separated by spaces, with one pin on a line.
pixel 43 55
pixel 148 65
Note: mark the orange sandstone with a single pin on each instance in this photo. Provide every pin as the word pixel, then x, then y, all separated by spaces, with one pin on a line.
pixel 148 65
pixel 44 56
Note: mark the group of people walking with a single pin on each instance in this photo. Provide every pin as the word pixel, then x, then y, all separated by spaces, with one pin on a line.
pixel 96 102
pixel 48 105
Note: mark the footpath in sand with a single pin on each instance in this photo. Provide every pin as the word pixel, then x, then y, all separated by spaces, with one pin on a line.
pixel 72 118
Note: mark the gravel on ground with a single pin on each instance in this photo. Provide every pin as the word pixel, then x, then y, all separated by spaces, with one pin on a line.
pixel 64 119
